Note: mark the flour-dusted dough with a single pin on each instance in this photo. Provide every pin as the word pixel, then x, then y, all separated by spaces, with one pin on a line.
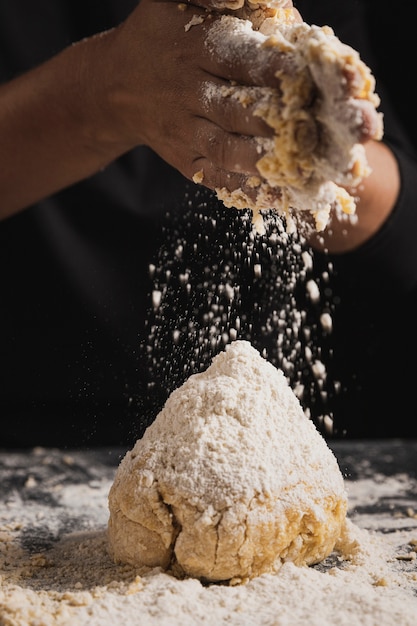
pixel 230 480
pixel 316 114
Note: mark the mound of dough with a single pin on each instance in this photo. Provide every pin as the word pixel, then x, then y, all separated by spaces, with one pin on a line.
pixel 230 480
pixel 317 115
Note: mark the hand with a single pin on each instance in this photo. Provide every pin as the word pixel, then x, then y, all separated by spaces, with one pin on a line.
pixel 146 81
pixel 156 79
pixel 165 72
pixel 183 115
pixel 376 197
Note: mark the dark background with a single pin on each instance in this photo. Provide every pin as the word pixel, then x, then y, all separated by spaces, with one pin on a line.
pixel 393 34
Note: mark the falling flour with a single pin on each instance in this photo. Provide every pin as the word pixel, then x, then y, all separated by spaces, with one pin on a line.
pixel 216 280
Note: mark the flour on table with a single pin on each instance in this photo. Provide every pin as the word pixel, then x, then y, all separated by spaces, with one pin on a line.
pixel 230 480
pixel 316 114
pixel 69 580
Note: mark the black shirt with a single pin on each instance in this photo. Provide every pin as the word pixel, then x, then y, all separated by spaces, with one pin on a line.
pixel 76 311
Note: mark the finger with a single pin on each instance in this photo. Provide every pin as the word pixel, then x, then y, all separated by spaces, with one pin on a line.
pixel 226 151
pixel 241 192
pixel 237 109
pixel 359 87
pixel 237 190
pixel 219 5
pixel 236 5
pixel 241 54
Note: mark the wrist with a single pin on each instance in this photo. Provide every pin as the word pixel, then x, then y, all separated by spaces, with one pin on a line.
pixel 375 197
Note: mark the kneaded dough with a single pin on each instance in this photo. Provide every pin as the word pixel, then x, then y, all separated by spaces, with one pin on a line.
pixel 230 480
pixel 316 114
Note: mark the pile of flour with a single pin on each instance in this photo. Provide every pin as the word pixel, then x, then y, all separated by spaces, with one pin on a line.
pixel 230 480
pixel 371 581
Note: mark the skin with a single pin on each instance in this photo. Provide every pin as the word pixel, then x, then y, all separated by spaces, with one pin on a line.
pixel 377 196
pixel 141 83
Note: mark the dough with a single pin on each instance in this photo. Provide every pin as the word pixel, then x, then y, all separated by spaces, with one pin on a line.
pixel 316 114
pixel 230 480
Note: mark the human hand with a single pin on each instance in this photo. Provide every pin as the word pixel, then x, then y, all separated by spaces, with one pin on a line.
pixel 169 77
pixel 186 91
pixel 164 76
pixel 154 80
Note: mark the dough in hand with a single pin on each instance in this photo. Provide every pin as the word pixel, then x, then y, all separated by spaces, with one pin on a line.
pixel 230 480
pixel 316 113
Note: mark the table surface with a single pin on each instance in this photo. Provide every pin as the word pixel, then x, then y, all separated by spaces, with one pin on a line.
pixel 37 484
pixel 50 495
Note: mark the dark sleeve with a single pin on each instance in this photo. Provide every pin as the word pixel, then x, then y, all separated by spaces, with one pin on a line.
pixel 370 353
pixel 389 259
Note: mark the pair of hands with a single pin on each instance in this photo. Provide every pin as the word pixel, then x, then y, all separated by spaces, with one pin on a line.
pixel 143 82
pixel 153 80
pixel 162 66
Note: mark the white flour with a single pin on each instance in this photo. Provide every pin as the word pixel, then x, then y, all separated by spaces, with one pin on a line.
pixel 370 579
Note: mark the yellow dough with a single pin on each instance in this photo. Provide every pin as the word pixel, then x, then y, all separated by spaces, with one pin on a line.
pixel 230 480
pixel 316 114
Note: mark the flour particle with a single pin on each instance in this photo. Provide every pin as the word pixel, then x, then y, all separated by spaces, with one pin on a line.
pixel 219 281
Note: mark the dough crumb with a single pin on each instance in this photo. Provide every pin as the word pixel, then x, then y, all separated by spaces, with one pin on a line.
pixel 198 177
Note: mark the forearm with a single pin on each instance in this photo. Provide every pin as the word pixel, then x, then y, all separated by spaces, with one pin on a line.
pixel 53 129
pixel 376 198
